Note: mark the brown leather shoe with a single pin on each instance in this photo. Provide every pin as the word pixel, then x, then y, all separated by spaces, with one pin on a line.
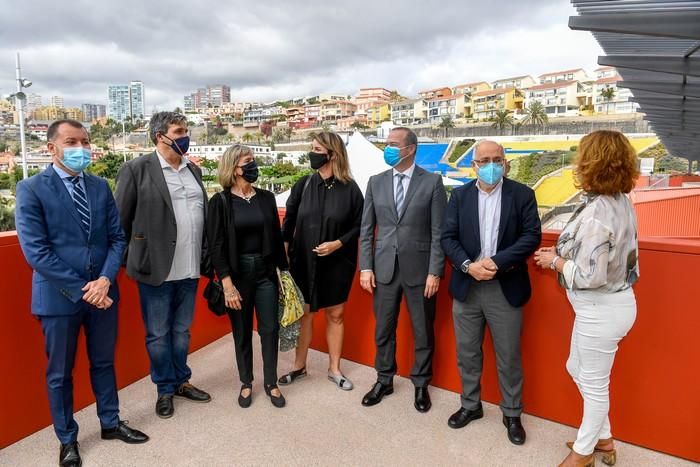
pixel 575 459
pixel 603 446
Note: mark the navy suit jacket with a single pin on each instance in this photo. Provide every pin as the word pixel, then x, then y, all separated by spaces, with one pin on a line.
pixel 63 256
pixel 519 235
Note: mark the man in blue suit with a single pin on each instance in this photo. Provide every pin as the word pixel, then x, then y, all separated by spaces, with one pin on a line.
pixel 69 230
pixel 490 229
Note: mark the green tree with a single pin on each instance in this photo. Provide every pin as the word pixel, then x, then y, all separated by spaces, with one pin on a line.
pixel 446 124
pixel 278 135
pixel 177 110
pixel 288 132
pixel 359 126
pixel 501 120
pixel 536 116
pixel 608 94
pixel 210 171
pixel 394 96
pixel 107 166
pixel 247 137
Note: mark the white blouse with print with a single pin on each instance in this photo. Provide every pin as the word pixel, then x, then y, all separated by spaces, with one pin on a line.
pixel 600 245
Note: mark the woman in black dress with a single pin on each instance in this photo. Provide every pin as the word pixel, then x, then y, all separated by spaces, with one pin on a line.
pixel 320 230
pixel 246 247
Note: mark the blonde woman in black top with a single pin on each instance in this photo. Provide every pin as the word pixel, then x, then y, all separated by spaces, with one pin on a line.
pixel 321 228
pixel 246 247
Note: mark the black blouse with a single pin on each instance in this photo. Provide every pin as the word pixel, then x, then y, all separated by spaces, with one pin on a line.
pixel 224 247
pixel 249 222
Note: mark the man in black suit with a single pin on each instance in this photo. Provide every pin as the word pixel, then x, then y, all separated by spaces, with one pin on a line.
pixel 491 227
pixel 162 203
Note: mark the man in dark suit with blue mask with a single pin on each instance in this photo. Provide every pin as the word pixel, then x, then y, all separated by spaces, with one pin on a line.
pixel 490 229
pixel 69 230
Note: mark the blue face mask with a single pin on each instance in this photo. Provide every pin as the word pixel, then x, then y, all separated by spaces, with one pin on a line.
pixel 391 156
pixel 180 145
pixel 490 173
pixel 76 159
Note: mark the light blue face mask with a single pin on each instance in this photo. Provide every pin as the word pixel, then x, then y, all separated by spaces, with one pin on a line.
pixel 77 159
pixel 490 173
pixel 392 156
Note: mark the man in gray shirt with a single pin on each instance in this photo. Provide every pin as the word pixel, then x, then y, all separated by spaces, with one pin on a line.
pixel 162 203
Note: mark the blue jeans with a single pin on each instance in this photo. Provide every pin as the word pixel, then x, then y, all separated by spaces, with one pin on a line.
pixel 167 311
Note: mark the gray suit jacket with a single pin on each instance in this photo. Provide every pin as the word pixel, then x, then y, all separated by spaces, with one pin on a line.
pixel 414 235
pixel 148 219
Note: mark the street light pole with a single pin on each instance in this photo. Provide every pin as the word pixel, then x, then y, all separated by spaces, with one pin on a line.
pixel 18 101
pixel 124 139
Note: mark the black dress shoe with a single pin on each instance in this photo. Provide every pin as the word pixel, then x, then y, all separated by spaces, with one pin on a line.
pixel 422 400
pixel 516 432
pixel 123 433
pixel 375 395
pixel 462 417
pixel 189 392
pixel 277 401
pixel 165 407
pixel 69 455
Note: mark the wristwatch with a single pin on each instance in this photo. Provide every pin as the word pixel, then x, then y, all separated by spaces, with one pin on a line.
pixel 465 266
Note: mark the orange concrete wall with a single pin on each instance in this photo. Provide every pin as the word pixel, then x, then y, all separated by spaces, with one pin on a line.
pixel 655 382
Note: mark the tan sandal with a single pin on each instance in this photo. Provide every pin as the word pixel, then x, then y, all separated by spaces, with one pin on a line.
pixel 609 455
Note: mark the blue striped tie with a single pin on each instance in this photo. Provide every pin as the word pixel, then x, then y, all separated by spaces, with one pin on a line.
pixel 81 204
pixel 399 193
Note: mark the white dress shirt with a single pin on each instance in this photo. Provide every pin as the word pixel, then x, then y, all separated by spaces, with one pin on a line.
pixel 188 205
pixel 405 180
pixel 489 219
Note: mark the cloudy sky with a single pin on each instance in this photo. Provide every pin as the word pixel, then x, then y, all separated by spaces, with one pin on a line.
pixel 279 49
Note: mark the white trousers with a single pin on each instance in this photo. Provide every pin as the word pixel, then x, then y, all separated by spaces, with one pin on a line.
pixel 602 320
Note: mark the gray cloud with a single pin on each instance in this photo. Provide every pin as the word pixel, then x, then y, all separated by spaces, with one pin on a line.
pixel 276 49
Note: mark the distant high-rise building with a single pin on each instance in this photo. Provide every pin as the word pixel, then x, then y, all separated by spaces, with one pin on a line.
pixel 92 112
pixel 119 102
pixel 138 100
pixel 56 101
pixel 218 94
pixel 34 101
pixel 127 100
pixel 214 95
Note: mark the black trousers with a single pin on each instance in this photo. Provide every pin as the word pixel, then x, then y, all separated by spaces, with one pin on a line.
pixel 259 293
pixel 387 303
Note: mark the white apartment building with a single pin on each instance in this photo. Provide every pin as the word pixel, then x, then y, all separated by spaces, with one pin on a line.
pixel 577 74
pixel 562 98
pixel 409 112
pixel 455 106
pixel 517 82
pixel 607 77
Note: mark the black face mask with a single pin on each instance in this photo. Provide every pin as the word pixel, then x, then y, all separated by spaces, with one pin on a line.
pixel 250 171
pixel 317 160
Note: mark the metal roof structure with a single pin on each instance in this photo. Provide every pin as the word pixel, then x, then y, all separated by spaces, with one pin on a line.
pixel 655 46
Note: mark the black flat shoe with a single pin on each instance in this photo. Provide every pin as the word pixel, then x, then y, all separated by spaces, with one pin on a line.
pixel 293 375
pixel 69 455
pixel 377 393
pixel 422 400
pixel 462 417
pixel 123 433
pixel 245 401
pixel 516 432
pixel 165 407
pixel 277 401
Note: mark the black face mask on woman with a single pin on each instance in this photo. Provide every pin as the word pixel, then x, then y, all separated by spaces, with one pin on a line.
pixel 250 171
pixel 317 160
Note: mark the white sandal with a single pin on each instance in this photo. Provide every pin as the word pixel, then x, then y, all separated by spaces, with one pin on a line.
pixel 341 381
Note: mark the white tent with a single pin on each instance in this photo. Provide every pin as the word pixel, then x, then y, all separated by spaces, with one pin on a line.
pixel 366 160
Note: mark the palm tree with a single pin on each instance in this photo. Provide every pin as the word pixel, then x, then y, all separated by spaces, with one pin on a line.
pixel 501 120
pixel 247 137
pixel 608 94
pixel 536 115
pixel 446 124
pixel 259 135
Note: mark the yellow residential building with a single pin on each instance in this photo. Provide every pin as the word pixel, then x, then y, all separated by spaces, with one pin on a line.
pixel 378 114
pixel 485 104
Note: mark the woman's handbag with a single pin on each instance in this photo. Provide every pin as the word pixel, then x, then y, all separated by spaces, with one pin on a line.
pixel 214 291
pixel 214 294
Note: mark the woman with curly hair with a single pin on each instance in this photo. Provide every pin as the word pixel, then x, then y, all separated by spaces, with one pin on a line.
pixel 596 258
